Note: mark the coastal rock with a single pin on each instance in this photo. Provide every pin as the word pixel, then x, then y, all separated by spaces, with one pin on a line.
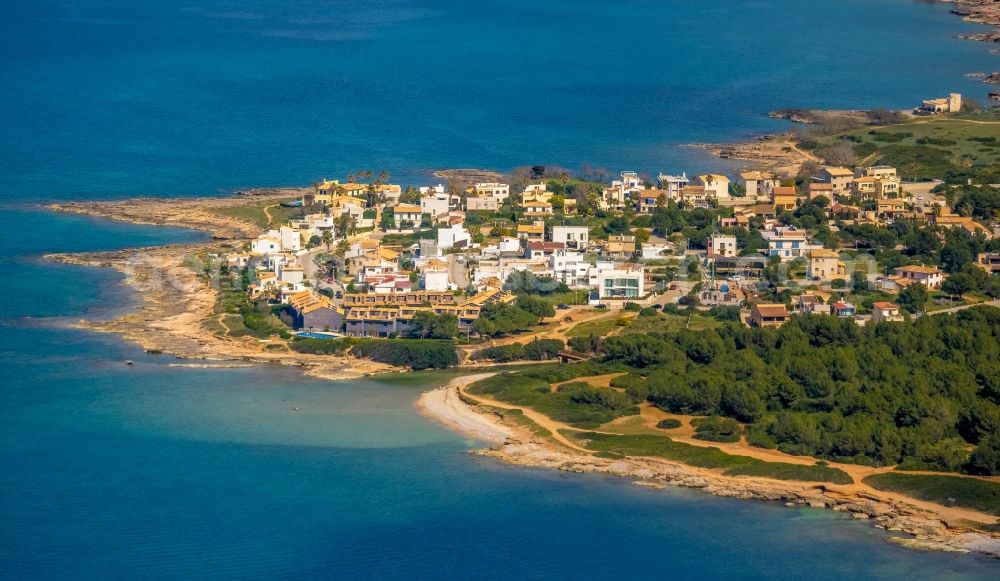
pixel 694 482
pixel 921 527
pixel 993 78
pixel 859 516
pixel 650 484
pixel 982 36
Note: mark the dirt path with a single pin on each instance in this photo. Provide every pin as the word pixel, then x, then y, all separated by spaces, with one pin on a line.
pixel 684 435
pixel 540 419
pixel 267 214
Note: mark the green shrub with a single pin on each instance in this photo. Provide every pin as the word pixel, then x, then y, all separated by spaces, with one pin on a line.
pixel 319 346
pixel 707 457
pixel 971 493
pixel 501 353
pixel 542 349
pixel 717 429
pixel 537 350
pixel 576 403
pixel 669 424
pixel 412 353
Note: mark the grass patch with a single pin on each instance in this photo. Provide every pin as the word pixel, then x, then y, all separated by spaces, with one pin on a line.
pixel 518 417
pixel 946 146
pixel 565 298
pixel 254 213
pixel 670 324
pixel 598 328
pixel 577 404
pixel 971 493
pixel 234 325
pixel 713 458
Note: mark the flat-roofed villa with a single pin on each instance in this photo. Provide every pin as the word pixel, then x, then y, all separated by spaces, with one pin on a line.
pixel 535 231
pixel 989 261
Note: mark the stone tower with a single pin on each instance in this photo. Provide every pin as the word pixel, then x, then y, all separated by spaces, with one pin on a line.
pixel 954 102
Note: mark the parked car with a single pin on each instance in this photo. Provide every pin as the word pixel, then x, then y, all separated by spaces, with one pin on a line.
pixel 673 286
pixel 339 295
pixel 601 306
pixel 562 307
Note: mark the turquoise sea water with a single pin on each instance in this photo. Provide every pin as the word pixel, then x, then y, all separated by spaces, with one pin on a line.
pixel 163 472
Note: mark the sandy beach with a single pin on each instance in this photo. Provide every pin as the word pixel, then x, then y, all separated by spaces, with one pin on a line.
pixel 926 525
pixel 445 406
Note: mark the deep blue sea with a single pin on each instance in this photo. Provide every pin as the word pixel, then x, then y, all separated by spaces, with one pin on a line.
pixel 164 472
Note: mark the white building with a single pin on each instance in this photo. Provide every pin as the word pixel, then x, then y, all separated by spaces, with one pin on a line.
pixel 492 190
pixel 482 204
pixel 291 273
pixel 722 246
pixel 673 185
pixel 875 171
pixel 655 251
pixel 534 189
pixel 435 204
pixel 758 184
pixel 571 236
pixel 454 236
pixel 570 268
pixel 429 190
pixel 406 213
pixel 291 240
pixel 435 276
pixel 266 243
pixel 786 242
pixel 621 281
pixel 716 186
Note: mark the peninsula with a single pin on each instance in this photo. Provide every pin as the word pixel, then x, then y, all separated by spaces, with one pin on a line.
pixel 744 334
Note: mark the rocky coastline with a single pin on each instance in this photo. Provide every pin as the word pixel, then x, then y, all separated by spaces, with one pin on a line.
pixel 919 525
pixel 980 12
pixel 175 300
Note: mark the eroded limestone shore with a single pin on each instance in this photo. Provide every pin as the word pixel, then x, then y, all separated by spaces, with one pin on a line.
pixel 922 525
pixel 176 301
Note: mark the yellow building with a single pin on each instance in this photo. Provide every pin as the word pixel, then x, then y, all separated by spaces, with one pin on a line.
pixel 825 265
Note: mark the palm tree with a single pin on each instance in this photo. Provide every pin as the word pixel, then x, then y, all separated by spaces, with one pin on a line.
pixel 327 238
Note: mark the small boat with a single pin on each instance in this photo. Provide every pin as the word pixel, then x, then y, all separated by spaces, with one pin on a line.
pixel 296 408
pixel 128 362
